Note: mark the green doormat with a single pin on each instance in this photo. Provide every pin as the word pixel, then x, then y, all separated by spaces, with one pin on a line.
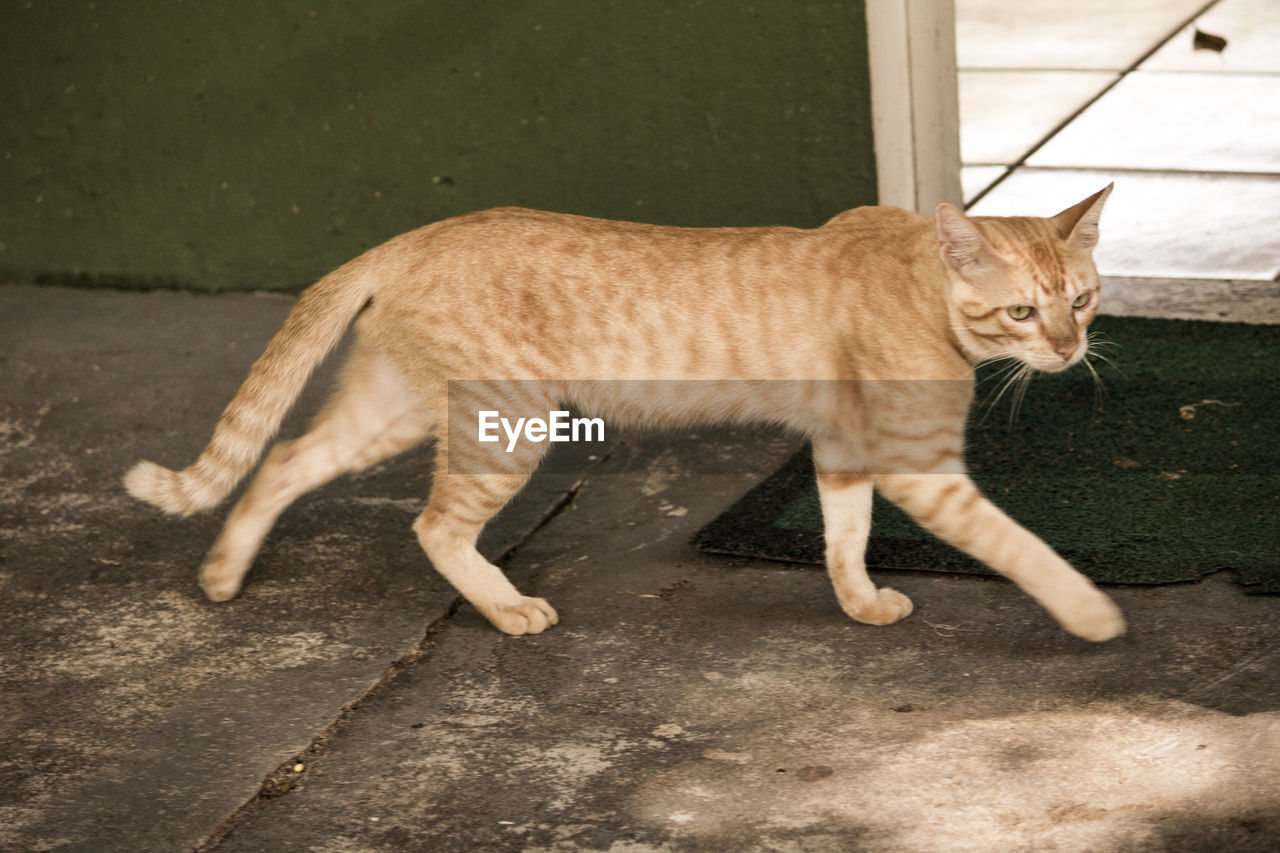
pixel 1173 474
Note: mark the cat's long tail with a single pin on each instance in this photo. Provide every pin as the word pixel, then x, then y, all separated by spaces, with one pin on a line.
pixel 314 326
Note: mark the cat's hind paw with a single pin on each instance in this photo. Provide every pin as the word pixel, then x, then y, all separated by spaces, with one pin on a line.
pixel 526 616
pixel 888 607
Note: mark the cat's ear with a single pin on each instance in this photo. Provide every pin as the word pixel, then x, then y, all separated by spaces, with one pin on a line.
pixel 962 246
pixel 1078 224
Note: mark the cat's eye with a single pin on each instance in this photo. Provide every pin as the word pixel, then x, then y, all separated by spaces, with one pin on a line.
pixel 1021 312
pixel 1081 300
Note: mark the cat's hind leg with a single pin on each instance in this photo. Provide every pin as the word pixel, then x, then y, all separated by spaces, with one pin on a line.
pixel 373 415
pixel 845 495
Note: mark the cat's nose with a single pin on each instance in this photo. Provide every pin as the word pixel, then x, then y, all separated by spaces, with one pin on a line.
pixel 1066 349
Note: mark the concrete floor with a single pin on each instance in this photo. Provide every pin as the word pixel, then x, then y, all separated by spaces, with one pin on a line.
pixel 346 701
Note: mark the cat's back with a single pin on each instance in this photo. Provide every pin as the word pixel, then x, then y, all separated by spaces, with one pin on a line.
pixel 520 230
pixel 513 252
pixel 501 257
pixel 503 224
pixel 883 227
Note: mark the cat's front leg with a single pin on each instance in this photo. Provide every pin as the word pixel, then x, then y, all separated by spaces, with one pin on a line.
pixel 472 483
pixel 449 538
pixel 846 518
pixel 950 506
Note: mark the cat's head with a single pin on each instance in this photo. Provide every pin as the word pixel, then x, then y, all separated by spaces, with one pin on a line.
pixel 1022 287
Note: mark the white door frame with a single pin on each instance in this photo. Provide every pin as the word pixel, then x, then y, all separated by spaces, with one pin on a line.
pixel 915 111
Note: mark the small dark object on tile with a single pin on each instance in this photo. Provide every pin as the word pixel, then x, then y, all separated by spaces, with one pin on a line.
pixel 1208 41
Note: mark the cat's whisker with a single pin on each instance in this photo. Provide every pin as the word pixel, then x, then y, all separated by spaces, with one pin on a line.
pixel 1020 393
pixel 1019 374
pixel 1105 360
pixel 1097 341
pixel 1013 375
pixel 1006 354
pixel 1099 389
pixel 1013 364
pixel 998 355
pixel 1001 377
pixel 1108 362
pixel 1099 338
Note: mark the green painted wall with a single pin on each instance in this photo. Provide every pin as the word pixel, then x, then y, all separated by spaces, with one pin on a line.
pixel 249 144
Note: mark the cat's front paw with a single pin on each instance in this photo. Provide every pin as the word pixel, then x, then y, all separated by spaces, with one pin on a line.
pixel 1094 617
pixel 526 616
pixel 219 582
pixel 888 607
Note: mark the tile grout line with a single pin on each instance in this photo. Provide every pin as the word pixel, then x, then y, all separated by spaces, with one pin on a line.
pixel 1168 72
pixel 1021 161
pixel 1131 170
pixel 280 781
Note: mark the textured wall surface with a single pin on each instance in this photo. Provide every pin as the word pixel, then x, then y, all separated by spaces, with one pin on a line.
pixel 247 145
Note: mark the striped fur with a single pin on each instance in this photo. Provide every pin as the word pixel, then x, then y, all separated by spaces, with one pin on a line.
pixel 862 334
pixel 314 326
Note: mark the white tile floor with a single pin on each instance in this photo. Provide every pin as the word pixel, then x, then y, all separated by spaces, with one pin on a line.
pixel 1007 113
pixel 1100 35
pixel 1252 27
pixel 1191 137
pixel 1179 121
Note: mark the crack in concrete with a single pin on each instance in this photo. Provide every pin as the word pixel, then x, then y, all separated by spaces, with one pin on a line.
pixel 283 779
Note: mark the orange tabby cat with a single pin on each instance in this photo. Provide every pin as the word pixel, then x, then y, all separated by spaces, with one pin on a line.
pixel 863 334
